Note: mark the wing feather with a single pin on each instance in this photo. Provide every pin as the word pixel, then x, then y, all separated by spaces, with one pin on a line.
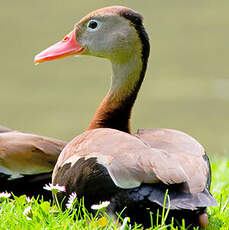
pixel 22 153
pixel 188 157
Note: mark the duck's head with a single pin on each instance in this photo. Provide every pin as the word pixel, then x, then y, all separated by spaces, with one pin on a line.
pixel 113 32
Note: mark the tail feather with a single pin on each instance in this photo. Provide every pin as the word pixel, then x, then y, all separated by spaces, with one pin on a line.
pixel 4 129
pixel 178 200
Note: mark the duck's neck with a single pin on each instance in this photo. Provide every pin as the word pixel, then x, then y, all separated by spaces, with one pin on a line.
pixel 115 109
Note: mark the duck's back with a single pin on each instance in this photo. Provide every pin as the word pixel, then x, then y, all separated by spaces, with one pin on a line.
pixel 27 161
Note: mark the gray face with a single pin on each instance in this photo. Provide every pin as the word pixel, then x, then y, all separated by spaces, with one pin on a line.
pixel 108 36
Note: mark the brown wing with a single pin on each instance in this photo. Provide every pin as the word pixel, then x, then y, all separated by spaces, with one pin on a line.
pixel 131 161
pixel 22 153
pixel 187 153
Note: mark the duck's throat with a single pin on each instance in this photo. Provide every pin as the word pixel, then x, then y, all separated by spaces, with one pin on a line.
pixel 115 109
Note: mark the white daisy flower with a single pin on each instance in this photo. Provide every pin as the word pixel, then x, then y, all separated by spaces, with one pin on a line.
pixel 103 205
pixel 28 199
pixel 125 223
pixel 28 213
pixel 4 196
pixel 54 188
pixel 71 200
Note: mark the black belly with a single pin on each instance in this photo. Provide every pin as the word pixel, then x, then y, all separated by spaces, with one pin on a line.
pixel 30 185
pixel 92 181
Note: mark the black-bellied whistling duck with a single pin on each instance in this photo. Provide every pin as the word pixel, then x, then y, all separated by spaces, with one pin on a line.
pixel 27 162
pixel 107 162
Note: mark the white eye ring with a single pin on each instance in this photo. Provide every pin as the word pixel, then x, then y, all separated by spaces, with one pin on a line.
pixel 93 25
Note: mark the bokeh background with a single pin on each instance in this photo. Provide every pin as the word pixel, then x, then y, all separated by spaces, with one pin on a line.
pixel 186 86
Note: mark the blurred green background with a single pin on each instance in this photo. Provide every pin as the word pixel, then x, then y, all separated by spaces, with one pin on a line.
pixel 186 86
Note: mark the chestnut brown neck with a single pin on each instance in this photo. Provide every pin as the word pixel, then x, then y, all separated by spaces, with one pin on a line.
pixel 112 115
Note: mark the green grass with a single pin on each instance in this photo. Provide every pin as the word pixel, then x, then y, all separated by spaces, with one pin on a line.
pixel 47 216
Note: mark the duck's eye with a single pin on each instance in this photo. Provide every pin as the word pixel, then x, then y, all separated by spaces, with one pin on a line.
pixel 92 25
